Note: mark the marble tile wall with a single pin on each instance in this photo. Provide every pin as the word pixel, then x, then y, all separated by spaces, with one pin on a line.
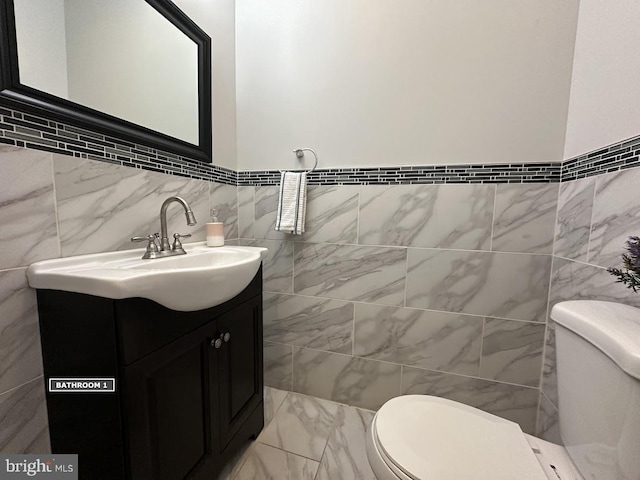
pixel 408 288
pixel 595 217
pixel 393 289
pixel 53 205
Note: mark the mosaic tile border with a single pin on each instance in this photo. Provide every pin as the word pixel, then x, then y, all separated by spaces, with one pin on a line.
pixel 615 157
pixel 24 130
pixel 432 174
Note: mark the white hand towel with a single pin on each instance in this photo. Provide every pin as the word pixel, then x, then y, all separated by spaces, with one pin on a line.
pixel 292 203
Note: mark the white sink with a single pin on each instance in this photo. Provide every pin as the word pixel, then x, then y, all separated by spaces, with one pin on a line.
pixel 203 278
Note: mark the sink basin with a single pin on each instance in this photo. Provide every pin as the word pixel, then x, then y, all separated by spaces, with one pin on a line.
pixel 203 278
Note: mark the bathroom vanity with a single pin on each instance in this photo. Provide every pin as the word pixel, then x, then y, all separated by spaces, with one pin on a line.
pixel 188 384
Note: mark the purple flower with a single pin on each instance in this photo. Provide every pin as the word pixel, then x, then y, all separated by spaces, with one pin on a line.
pixel 630 275
pixel 633 247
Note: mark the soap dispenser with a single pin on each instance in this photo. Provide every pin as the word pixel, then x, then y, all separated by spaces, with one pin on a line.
pixel 215 231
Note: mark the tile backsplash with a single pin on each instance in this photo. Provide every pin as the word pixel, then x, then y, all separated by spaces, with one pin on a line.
pixel 54 205
pixel 401 288
pixel 394 288
pixel 596 215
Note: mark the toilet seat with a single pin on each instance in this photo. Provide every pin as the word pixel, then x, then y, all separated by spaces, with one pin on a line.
pixel 420 437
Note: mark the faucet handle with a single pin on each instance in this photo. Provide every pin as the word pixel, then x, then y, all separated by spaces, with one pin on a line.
pixel 177 244
pixel 142 239
pixel 152 247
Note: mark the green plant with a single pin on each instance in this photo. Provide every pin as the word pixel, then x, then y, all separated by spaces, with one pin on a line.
pixel 630 275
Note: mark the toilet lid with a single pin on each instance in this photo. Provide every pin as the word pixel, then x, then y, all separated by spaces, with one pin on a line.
pixel 433 438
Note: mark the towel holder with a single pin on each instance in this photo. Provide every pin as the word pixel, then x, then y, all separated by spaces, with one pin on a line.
pixel 300 153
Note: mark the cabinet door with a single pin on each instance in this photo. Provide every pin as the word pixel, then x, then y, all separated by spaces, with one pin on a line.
pixel 170 395
pixel 240 366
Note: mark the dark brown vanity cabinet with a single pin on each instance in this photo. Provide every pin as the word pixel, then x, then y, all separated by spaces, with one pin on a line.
pixel 188 384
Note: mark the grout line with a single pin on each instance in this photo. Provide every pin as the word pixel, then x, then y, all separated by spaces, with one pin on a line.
pixel 13 269
pixel 275 412
pixel 293 267
pixel 398 247
pixel 484 323
pixel 593 209
pixel 289 452
pixel 293 352
pixel 580 262
pixel 13 389
pixel 410 308
pixel 548 400
pixel 493 216
pixel 55 205
pixel 529 387
pixel 406 278
pixel 358 216
pixel 353 330
pixel 555 223
pixel 536 430
pixel 546 322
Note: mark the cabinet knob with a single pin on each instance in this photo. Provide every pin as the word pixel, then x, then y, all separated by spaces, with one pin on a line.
pixel 217 342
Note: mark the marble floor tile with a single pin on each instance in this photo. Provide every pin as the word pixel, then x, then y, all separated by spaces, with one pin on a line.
pixel 101 205
pixel 23 419
pixel 246 211
pixel 278 366
pixel 443 216
pixel 20 353
pixel 224 198
pixel 575 205
pixel 524 218
pixel 512 351
pixel 356 381
pixel 332 214
pixel 366 274
pixel 277 272
pixel 269 463
pixel 273 399
pixel 319 323
pixel 233 466
pixel 28 231
pixel 506 285
pixel 345 456
pixel 441 341
pixel 513 402
pixel 616 216
pixel 301 426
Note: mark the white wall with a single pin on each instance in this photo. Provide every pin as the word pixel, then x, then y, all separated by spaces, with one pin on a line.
pixel 41 45
pixel 217 18
pixel 605 88
pixel 378 82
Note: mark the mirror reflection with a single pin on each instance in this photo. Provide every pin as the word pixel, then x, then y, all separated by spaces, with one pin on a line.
pixel 120 57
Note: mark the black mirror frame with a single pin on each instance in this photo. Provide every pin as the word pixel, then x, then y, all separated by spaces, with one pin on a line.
pixel 27 99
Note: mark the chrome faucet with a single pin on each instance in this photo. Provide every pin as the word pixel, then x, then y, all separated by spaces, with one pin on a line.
pixel 164 249
pixel 164 236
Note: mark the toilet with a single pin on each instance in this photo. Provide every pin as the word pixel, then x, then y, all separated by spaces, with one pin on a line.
pixel 421 437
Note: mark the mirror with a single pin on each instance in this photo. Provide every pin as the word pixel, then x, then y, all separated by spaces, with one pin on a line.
pixel 139 70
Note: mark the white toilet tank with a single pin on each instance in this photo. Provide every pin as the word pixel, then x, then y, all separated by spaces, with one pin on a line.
pixel 598 365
